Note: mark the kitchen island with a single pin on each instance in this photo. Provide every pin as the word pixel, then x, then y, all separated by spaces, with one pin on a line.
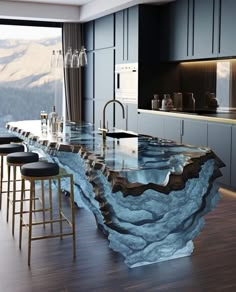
pixel 148 195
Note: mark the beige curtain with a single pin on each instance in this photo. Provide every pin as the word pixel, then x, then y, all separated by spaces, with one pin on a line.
pixel 71 37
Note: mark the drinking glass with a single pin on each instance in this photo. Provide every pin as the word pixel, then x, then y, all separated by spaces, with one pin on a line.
pixel 75 59
pixel 44 121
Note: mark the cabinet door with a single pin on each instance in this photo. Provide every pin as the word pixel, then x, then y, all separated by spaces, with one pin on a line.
pixel 233 158
pixel 88 77
pixel 172 129
pixel 98 114
pixel 204 29
pixel 194 132
pixel 126 35
pixel 88 111
pixel 132 34
pixel 104 74
pixel 219 140
pixel 132 118
pixel 151 124
pixel 227 28
pixel 89 35
pixel 177 19
pixel 104 32
pixel 119 37
pixel 130 123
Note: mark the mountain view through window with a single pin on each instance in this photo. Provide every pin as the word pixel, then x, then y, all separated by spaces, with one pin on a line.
pixel 27 83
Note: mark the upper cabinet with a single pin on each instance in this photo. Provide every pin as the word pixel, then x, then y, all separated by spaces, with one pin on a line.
pixel 205 28
pixel 104 32
pixel 198 29
pixel 175 28
pixel 137 35
pixel 126 35
pixel 227 37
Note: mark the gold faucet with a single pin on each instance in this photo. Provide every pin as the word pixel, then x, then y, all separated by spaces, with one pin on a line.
pixel 104 129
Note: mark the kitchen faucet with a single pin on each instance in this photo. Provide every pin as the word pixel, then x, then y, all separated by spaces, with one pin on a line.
pixel 104 129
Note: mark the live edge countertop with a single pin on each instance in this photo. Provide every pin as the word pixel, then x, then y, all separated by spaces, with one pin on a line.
pixel 148 195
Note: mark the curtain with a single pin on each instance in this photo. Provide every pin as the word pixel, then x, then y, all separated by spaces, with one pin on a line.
pixel 71 37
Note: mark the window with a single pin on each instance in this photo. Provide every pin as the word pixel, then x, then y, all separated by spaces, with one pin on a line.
pixel 27 83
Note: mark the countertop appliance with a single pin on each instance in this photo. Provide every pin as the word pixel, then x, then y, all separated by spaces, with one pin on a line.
pixel 126 83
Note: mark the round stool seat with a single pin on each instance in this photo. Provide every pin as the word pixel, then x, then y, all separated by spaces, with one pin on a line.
pixel 10 148
pixel 22 157
pixel 40 169
pixel 8 138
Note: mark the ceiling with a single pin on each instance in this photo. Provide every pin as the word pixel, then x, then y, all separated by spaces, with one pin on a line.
pixel 84 2
pixel 61 2
pixel 66 10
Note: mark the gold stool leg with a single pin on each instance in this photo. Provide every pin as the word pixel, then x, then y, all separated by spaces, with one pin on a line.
pixel 50 204
pixel 43 201
pixel 8 190
pixel 14 200
pixel 72 213
pixel 32 196
pixel 59 205
pixel 21 211
pixel 1 179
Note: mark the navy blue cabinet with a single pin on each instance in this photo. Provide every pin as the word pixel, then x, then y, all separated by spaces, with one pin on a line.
pixel 205 32
pixel 126 35
pixel 88 89
pixel 89 35
pixel 227 41
pixel 151 124
pixel 130 123
pixel 219 140
pixel 175 31
pixel 233 158
pixel 173 129
pixel 104 32
pixel 194 132
pixel 103 83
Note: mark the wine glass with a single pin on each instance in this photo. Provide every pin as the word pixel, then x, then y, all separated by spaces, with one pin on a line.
pixel 75 59
pixel 83 57
pixel 68 58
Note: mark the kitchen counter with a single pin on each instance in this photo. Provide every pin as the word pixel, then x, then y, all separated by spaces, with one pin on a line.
pixel 148 195
pixel 221 116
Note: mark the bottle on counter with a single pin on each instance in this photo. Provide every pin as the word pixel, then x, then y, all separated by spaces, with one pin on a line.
pixel 167 102
pixel 53 121
pixel 155 102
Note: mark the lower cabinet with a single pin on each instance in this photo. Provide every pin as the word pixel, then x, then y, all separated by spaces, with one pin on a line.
pixel 130 123
pixel 194 132
pixel 219 140
pixel 173 129
pixel 98 114
pixel 150 124
pixel 88 111
pixel 233 158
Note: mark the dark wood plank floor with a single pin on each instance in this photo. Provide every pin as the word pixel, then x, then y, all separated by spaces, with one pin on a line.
pixel 212 267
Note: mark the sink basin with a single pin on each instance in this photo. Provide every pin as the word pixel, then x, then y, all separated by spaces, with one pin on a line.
pixel 119 135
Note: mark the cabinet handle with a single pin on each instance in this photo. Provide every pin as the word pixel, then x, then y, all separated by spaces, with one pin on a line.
pixel 182 128
pixel 118 81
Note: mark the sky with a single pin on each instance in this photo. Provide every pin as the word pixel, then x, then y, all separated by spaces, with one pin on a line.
pixel 28 32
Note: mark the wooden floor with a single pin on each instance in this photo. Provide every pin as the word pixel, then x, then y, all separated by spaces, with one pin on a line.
pixel 212 267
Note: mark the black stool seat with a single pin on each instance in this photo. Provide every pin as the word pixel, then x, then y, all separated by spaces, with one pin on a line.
pixel 10 148
pixel 40 169
pixel 8 138
pixel 22 157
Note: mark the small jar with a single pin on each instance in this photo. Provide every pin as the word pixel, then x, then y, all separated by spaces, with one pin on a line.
pixel 155 103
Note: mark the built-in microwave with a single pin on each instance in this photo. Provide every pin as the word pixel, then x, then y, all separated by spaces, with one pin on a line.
pixel 126 82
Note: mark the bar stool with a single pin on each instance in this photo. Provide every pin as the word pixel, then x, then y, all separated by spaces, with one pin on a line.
pixel 6 149
pixel 9 138
pixel 16 160
pixel 46 171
